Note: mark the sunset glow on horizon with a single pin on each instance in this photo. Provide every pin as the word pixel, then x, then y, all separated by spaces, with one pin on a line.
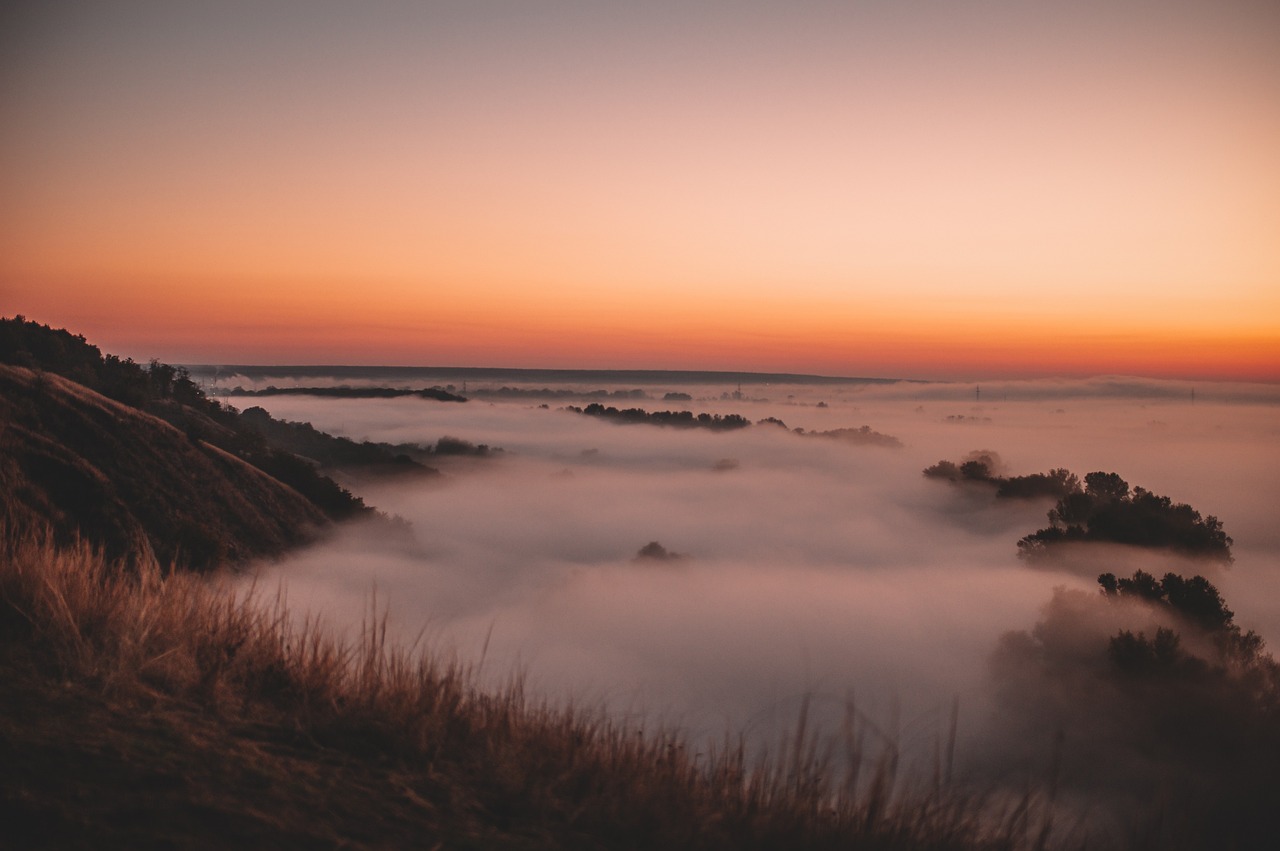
pixel 836 188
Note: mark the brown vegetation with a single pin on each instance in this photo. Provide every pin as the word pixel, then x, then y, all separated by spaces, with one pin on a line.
pixel 143 709
pixel 85 466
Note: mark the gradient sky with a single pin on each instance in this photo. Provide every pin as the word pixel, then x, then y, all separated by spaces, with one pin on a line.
pixel 925 189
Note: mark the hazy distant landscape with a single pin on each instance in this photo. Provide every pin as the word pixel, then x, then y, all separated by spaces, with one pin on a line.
pixel 814 570
pixel 539 543
pixel 776 563
pixel 542 424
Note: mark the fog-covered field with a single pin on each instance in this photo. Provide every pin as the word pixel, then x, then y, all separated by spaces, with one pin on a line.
pixel 811 566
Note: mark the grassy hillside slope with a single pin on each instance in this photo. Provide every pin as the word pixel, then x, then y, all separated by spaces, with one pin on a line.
pixel 84 465
pixel 143 710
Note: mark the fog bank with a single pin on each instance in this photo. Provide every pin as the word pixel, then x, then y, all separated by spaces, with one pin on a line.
pixel 810 566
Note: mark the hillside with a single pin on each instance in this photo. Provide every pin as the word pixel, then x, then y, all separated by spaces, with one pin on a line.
pixel 139 460
pixel 81 464
pixel 149 711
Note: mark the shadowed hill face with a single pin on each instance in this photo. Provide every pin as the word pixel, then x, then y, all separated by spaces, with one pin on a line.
pixel 81 464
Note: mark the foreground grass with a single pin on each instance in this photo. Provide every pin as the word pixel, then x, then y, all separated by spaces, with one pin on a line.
pixel 148 710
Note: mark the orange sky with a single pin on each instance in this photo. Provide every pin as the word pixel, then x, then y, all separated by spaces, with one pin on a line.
pixel 841 188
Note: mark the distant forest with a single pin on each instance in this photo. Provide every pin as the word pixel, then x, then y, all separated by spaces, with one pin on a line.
pixel 678 419
pixel 436 393
pixel 863 435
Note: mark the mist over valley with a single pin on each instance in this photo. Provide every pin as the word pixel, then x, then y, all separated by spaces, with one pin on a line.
pixel 813 570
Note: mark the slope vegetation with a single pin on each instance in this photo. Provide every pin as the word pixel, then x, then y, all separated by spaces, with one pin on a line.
pixel 82 465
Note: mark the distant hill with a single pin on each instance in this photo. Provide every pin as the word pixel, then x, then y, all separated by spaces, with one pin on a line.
pixel 79 464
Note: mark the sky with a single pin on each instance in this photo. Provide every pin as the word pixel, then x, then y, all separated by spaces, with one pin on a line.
pixel 926 190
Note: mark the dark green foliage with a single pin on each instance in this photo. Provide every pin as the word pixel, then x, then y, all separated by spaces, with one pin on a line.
pixel 679 419
pixel 36 346
pixel 1057 483
pixel 457 446
pixel 1108 510
pixel 559 393
pixel 335 501
pixel 167 392
pixel 728 422
pixel 978 466
pixel 1152 686
pixel 1135 654
pixel 1194 602
pixel 1106 487
pixel 943 470
pixel 338 453
pixel 1073 509
pixel 981 466
pixel 863 435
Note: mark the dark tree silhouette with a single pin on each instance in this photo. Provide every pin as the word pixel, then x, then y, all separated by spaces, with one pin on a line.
pixel 654 551
pixel 1109 510
pixel 1057 483
pixel 1106 487
pixel 943 470
pixel 1151 684
pixel 679 419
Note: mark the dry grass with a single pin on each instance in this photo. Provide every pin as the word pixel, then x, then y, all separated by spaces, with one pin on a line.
pixel 489 768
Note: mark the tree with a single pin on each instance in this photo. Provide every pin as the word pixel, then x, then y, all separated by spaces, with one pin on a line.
pixel 1108 511
pixel 1106 486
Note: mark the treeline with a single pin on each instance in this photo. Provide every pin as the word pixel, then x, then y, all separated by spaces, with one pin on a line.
pixel 678 419
pixel 863 435
pixel 1108 510
pixel 1104 509
pixel 436 393
pixel 339 453
pixel 168 392
pixel 365 457
pixel 56 350
pixel 980 467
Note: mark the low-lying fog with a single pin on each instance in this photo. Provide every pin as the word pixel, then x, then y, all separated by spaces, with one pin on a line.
pixel 811 567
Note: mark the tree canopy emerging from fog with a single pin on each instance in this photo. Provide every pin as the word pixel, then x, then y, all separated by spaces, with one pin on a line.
pixel 1194 602
pixel 437 393
pixel 863 435
pixel 981 466
pixel 1105 509
pixel 680 419
pixel 1109 510
pixel 1150 683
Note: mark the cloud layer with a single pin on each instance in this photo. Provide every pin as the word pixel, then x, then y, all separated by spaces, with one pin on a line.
pixel 814 567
